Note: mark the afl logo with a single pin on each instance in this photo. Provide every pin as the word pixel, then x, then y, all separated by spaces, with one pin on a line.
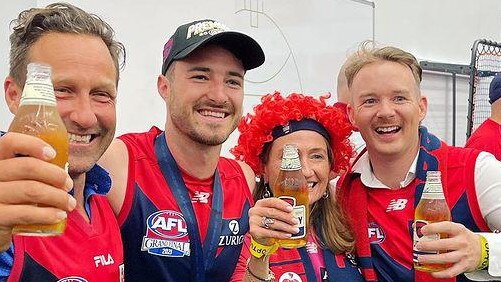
pixel 167 224
pixel 376 233
pixel 72 279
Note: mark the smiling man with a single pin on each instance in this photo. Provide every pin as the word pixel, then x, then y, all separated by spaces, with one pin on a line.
pixel 183 208
pixel 85 60
pixel 387 179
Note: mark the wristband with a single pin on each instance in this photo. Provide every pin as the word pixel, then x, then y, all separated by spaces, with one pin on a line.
pixel 484 258
pixel 258 250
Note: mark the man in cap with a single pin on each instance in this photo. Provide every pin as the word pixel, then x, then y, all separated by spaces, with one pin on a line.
pixel 182 207
pixel 487 137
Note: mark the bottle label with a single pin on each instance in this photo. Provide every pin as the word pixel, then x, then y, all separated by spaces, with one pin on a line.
pixel 299 213
pixel 419 237
pixel 433 191
pixel 290 164
pixel 38 92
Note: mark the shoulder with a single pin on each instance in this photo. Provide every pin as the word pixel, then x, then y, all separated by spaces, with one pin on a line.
pixel 241 169
pixel 116 162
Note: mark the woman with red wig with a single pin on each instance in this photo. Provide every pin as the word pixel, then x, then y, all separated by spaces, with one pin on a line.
pixel 321 135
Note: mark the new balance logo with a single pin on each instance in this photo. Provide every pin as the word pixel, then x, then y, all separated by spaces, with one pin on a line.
pixel 396 205
pixel 201 197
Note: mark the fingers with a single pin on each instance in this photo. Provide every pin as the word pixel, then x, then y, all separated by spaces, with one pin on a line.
pixel 282 224
pixel 32 192
pixel 448 227
pixel 32 164
pixel 462 249
pixel 450 272
pixel 14 144
pixel 30 214
pixel 28 168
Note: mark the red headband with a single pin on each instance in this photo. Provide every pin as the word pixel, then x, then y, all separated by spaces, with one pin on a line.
pixel 274 110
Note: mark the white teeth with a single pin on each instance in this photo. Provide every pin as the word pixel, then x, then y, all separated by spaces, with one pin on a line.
pixel 387 129
pixel 212 114
pixel 75 138
pixel 310 184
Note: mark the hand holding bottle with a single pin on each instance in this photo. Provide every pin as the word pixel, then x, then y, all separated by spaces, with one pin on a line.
pixel 29 180
pixel 462 246
pixel 271 219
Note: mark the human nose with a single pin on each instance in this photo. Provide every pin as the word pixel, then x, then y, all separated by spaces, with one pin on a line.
pixel 306 168
pixel 386 109
pixel 82 112
pixel 217 92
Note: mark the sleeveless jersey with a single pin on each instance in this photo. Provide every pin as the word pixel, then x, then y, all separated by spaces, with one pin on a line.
pixel 296 265
pixel 157 245
pixel 487 138
pixel 85 252
pixel 390 213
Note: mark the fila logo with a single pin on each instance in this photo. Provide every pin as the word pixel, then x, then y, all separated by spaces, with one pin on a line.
pixel 103 260
pixel 396 205
pixel 201 197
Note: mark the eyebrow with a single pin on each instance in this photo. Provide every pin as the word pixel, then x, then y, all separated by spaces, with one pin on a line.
pixel 206 69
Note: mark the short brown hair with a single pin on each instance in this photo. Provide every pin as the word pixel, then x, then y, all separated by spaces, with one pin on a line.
pixel 33 23
pixel 368 54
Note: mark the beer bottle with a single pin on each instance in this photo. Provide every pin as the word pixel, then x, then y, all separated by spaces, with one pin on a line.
pixel 37 115
pixel 431 208
pixel 291 187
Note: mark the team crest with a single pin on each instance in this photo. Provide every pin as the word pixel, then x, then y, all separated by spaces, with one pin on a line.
pixel 72 279
pixel 290 277
pixel 166 235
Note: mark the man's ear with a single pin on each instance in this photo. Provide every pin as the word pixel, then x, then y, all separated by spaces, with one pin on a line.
pixel 350 112
pixel 423 107
pixel 163 87
pixel 12 94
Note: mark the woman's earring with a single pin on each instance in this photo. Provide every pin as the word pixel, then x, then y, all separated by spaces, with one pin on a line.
pixel 267 190
pixel 326 193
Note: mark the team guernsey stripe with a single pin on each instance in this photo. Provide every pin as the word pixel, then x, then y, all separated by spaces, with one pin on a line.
pixel 201 258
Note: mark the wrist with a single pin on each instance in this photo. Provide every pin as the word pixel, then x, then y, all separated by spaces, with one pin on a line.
pixel 270 276
pixel 484 254
pixel 259 250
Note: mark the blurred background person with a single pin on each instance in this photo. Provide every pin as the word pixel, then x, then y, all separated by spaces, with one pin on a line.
pixel 487 137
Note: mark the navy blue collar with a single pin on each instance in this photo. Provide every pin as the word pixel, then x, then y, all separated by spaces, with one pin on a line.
pixel 97 182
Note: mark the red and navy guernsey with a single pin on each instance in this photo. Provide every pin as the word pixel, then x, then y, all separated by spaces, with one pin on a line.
pixel 176 227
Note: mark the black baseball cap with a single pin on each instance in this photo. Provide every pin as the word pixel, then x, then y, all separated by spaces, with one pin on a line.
pixel 190 36
pixel 495 89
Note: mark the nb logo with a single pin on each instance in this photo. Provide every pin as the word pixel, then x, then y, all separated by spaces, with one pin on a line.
pixel 200 197
pixel 396 205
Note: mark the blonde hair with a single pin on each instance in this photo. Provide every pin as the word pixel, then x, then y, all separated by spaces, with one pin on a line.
pixel 368 54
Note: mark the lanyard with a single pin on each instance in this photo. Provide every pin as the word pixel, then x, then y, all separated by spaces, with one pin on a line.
pixel 202 257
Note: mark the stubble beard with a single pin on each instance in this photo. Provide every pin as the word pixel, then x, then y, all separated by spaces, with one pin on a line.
pixel 210 138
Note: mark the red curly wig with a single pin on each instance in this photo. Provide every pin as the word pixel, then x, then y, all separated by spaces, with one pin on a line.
pixel 275 110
